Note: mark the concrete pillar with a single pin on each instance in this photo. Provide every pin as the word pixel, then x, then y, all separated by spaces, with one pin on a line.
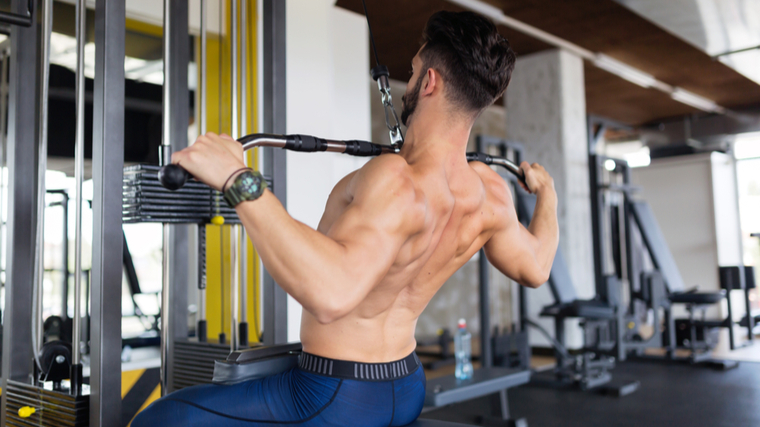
pixel 546 111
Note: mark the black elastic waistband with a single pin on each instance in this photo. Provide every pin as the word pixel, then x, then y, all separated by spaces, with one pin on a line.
pixel 359 371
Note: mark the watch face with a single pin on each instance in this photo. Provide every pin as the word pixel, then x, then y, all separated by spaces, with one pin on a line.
pixel 249 185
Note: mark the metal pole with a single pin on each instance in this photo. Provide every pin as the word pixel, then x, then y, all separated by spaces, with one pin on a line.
pixel 203 119
pixel 176 115
pixel 244 131
pixel 167 237
pixel 275 164
pixel 234 230
pixel 235 261
pixel 39 267
pixel 81 20
pixel 22 161
pixel 65 256
pixel 108 236
pixel 234 33
pixel 4 56
pixel 485 311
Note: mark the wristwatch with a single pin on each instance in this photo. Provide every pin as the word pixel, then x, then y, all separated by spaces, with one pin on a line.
pixel 249 185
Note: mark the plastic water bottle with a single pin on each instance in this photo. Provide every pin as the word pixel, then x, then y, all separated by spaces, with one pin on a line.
pixel 463 352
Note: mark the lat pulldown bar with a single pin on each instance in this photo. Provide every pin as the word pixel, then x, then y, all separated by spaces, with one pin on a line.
pixel 173 177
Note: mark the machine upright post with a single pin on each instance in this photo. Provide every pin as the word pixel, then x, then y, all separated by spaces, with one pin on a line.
pixel 201 329
pixel 275 298
pixel 23 133
pixel 108 237
pixel 176 116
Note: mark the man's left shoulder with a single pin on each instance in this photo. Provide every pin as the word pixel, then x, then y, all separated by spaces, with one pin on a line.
pixel 387 170
pixel 388 163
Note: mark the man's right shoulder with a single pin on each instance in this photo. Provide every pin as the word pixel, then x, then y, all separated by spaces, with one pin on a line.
pixel 495 186
pixel 498 199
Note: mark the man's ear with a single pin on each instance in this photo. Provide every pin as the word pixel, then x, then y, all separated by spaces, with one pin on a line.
pixel 431 82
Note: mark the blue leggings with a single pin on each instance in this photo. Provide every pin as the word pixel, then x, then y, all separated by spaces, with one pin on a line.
pixel 295 397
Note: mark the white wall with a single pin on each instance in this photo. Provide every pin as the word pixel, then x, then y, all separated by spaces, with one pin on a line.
pixel 695 202
pixel 327 96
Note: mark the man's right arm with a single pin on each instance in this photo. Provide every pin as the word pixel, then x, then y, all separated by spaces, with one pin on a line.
pixel 525 254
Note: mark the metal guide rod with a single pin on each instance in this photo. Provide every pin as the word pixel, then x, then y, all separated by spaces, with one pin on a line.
pixel 166 247
pixel 4 56
pixel 81 21
pixel 39 267
pixel 235 277
pixel 235 131
pixel 165 308
pixel 203 100
pixel 235 282
pixel 243 131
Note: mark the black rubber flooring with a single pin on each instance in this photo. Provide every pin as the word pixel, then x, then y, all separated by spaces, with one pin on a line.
pixel 671 395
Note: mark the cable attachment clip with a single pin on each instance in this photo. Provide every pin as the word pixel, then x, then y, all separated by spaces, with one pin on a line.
pixel 380 74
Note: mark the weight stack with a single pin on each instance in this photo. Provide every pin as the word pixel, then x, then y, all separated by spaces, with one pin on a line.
pixel 144 199
pixel 53 408
pixel 193 362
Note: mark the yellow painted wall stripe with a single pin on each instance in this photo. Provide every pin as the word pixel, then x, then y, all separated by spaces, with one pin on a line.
pixel 218 110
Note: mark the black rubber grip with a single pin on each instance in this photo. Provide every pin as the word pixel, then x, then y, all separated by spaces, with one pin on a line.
pixel 479 157
pixel 362 148
pixel 379 71
pixel 173 177
pixel 489 160
pixel 305 143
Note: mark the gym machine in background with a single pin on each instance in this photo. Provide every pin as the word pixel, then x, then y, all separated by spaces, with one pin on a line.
pixel 42 384
pixel 637 275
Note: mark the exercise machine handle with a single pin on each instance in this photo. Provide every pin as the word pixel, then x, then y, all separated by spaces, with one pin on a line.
pixel 174 177
pixel 499 161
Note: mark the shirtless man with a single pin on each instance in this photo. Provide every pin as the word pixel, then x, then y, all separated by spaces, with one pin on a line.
pixel 392 233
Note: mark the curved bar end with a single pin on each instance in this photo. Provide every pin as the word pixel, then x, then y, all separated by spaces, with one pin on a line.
pixel 173 177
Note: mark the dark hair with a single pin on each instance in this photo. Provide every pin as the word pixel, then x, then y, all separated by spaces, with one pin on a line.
pixel 474 60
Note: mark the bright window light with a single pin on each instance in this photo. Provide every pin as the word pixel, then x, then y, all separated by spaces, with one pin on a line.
pixel 63 52
pixel 747 146
pixel 633 152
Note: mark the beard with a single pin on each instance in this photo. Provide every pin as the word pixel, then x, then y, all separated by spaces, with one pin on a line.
pixel 409 102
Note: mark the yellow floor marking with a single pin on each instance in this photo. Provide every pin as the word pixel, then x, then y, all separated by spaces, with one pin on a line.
pixel 153 397
pixel 128 380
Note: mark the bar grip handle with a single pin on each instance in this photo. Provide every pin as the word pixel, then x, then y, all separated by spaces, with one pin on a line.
pixel 499 161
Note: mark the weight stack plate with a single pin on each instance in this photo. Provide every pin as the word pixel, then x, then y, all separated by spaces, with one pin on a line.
pixel 193 362
pixel 53 408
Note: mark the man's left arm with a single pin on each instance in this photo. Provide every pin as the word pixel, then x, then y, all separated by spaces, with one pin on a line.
pixel 329 274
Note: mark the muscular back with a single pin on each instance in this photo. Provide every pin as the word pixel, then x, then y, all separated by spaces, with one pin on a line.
pixel 456 209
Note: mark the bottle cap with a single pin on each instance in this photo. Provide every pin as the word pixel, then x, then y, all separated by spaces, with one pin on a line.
pixel 462 324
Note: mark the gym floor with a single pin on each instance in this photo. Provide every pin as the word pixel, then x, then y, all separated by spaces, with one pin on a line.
pixel 670 395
